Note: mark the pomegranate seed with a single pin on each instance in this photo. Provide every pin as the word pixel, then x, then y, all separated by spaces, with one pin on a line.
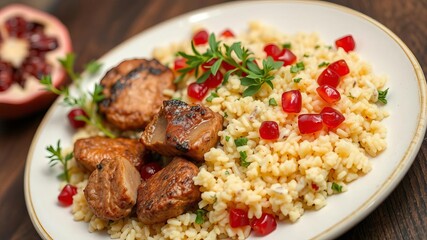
pixel 214 81
pixel 36 66
pixel 43 43
pixel 207 65
pixel 227 33
pixel 65 197
pixel 269 130
pixel 179 63
pixel 227 66
pixel 309 123
pixel 314 187
pixel 200 37
pixel 35 27
pixel 292 101
pixel 328 93
pixel 340 67
pixel 149 169
pixel 272 50
pixel 16 26
pixel 6 76
pixel 72 118
pixel 238 217
pixel 287 57
pixel 264 225
pixel 347 43
pixel 331 117
pixel 328 77
pixel 197 90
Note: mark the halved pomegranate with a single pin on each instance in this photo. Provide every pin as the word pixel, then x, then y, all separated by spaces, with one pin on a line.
pixel 31 41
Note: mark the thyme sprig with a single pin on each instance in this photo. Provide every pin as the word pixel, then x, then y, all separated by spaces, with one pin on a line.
pixel 87 101
pixel 250 74
pixel 56 156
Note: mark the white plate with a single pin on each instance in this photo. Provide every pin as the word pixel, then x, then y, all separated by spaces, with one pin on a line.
pixel 375 44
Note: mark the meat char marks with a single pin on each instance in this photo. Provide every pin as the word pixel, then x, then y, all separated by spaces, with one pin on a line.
pixel 168 193
pixel 182 130
pixel 133 92
pixel 89 152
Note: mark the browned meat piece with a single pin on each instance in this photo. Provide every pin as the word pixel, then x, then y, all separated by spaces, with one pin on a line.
pixel 89 152
pixel 168 193
pixel 183 130
pixel 133 92
pixel 111 191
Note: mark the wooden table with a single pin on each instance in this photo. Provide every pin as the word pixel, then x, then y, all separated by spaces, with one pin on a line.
pixel 98 26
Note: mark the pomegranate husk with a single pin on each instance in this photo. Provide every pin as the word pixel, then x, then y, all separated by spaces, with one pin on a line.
pixel 35 98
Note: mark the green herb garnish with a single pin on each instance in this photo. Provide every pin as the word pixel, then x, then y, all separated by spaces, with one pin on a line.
pixel 212 96
pixel 382 96
pixel 272 102
pixel 243 157
pixel 287 45
pixel 255 76
pixel 299 66
pixel 336 187
pixel 56 157
pixel 323 64
pixel 227 138
pixel 242 141
pixel 200 216
pixel 87 101
pixel 297 80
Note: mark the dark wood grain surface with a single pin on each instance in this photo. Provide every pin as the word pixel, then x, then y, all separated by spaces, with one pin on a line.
pixel 98 26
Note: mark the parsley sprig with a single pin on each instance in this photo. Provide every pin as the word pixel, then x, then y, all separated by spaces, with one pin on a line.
pixel 250 74
pixel 382 96
pixel 88 101
pixel 56 156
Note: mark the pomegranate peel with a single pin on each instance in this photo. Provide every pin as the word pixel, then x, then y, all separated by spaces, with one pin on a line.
pixel 36 49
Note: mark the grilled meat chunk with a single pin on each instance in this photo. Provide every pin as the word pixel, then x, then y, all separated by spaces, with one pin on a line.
pixel 89 152
pixel 168 193
pixel 183 130
pixel 111 191
pixel 133 92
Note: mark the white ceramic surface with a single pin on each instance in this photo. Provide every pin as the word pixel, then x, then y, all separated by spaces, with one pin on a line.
pixel 375 44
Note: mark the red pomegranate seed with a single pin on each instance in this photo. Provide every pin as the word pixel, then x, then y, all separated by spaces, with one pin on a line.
pixel 292 101
pixel 207 65
pixel 41 42
pixel 328 93
pixel 269 130
pixel 264 225
pixel 309 123
pixel 35 27
pixel 328 77
pixel 36 66
pixel 16 26
pixel 314 187
pixel 347 43
pixel 6 76
pixel 149 169
pixel 272 50
pixel 214 81
pixel 197 90
pixel 331 117
pixel 227 33
pixel 200 37
pixel 340 67
pixel 76 112
pixel 227 66
pixel 238 217
pixel 287 57
pixel 179 63
pixel 65 197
